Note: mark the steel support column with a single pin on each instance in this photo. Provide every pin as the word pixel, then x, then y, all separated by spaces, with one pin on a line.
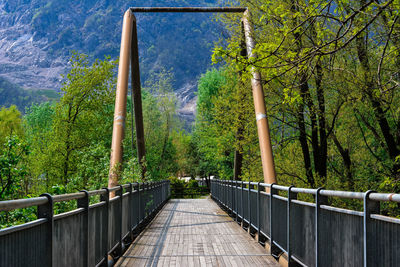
pixel 120 100
pixel 264 138
pixel 128 56
pixel 137 97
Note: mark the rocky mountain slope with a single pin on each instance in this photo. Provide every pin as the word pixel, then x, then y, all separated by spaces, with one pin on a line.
pixel 38 36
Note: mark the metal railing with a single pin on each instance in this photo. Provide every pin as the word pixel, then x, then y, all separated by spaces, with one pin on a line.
pixel 91 235
pixel 314 233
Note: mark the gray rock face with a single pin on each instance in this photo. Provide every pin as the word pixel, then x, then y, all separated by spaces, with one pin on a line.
pixel 37 37
pixel 23 59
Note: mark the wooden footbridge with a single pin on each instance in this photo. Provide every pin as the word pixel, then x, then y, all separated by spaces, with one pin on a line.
pixel 195 232
pixel 239 224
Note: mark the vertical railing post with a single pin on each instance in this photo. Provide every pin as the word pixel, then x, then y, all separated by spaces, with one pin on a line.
pixel 106 198
pixel 290 224
pixel 46 211
pixel 249 206
pixel 228 196
pixel 370 207
pixel 160 196
pixel 153 196
pixel 145 199
pixel 232 199
pixel 219 192
pixel 136 205
pixel 273 192
pixel 222 192
pixel 216 190
pixel 84 204
pixel 120 194
pixel 225 193
pixel 163 191
pixel 141 211
pixel 236 201
pixel 216 187
pixel 157 194
pixel 130 211
pixel 169 189
pixel 150 198
pixel 241 199
pixel 319 200
pixel 258 211
pixel 220 187
pixel 139 204
pixel 166 190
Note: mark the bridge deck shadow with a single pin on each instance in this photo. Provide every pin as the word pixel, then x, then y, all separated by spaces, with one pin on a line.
pixel 195 232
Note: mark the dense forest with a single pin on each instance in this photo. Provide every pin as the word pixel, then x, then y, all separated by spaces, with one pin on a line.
pixel 331 82
pixel 39 35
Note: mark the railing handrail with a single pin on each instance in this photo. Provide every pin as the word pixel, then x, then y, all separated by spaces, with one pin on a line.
pixel 376 196
pixel 312 233
pixel 8 205
pixel 93 234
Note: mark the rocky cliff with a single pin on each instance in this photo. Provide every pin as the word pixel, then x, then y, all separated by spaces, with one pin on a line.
pixel 38 36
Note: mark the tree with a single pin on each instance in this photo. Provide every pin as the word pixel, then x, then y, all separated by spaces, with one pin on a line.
pixel 82 117
pixel 10 122
pixel 160 121
pixel 213 136
pixel 330 71
pixel 38 125
pixel 13 170
pixel 13 152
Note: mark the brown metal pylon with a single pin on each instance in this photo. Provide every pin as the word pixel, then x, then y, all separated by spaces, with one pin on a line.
pixel 129 54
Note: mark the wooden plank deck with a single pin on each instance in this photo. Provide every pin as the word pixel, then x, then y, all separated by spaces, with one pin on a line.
pixel 195 232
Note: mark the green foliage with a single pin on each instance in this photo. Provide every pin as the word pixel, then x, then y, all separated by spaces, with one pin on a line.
pixel 16 217
pixel 209 85
pixel 80 116
pixel 213 139
pixel 11 94
pixel 330 76
pixel 186 154
pixel 10 122
pixel 13 170
pixel 192 184
pixel 160 122
pixel 182 189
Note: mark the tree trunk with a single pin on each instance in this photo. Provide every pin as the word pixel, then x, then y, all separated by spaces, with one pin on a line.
pixel 347 163
pixel 391 146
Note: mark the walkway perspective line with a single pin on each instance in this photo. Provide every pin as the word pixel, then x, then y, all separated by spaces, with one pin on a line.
pixel 195 232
